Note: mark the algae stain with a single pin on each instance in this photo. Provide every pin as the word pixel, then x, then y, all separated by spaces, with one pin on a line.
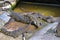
pixel 48 11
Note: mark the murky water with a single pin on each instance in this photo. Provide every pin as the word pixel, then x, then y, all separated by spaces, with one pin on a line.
pixel 46 10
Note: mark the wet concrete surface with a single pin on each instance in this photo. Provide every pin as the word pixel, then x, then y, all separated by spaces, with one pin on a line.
pixel 50 36
pixel 44 34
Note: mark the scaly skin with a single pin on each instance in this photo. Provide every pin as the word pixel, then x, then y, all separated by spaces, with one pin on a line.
pixel 28 19
pixel 15 30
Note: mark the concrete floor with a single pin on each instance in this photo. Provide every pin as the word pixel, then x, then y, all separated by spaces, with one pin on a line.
pixel 5 37
pixel 49 36
pixel 44 34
